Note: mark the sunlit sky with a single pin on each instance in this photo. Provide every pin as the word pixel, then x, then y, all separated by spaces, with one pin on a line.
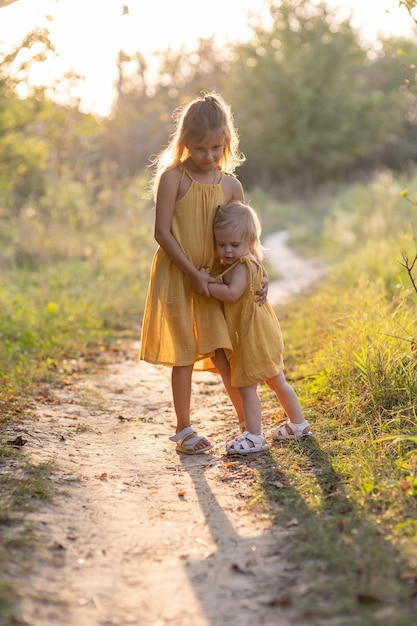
pixel 89 33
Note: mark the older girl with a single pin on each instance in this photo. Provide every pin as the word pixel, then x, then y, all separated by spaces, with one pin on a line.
pixel 183 327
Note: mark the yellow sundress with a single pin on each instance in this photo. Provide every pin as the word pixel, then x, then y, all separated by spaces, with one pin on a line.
pixel 256 334
pixel 181 327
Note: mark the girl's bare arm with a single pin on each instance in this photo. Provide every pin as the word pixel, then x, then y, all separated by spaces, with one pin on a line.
pixel 238 284
pixel 233 190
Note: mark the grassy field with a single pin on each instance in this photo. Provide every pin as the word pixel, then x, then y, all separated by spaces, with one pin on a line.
pixel 73 282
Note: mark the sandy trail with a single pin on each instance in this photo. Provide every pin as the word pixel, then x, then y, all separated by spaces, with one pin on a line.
pixel 138 534
pixel 296 274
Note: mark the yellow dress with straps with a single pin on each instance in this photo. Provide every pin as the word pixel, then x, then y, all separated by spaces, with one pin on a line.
pixel 256 334
pixel 181 327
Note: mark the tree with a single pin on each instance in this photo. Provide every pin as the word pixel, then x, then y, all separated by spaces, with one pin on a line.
pixel 305 109
pixel 23 152
pixel 38 138
pixel 392 73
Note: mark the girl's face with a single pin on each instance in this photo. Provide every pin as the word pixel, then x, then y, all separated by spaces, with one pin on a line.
pixel 207 152
pixel 230 245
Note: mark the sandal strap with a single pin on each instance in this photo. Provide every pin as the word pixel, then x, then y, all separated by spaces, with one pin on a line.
pixel 256 439
pixel 241 442
pixel 290 430
pixel 188 430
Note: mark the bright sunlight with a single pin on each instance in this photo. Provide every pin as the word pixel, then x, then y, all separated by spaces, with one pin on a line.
pixel 89 34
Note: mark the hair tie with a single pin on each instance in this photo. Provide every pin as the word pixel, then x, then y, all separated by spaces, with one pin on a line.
pixel 208 99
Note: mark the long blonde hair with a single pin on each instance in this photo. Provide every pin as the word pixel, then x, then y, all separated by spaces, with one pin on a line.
pixel 244 219
pixel 193 121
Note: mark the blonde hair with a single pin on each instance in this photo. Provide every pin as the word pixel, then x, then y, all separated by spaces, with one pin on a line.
pixel 208 114
pixel 244 219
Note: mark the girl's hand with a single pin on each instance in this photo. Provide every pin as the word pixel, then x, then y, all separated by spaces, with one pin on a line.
pixel 262 294
pixel 200 282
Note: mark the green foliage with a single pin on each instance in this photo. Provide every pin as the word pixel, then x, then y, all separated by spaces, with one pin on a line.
pixel 38 138
pixel 322 116
pixel 311 103
pixel 74 276
pixel 356 353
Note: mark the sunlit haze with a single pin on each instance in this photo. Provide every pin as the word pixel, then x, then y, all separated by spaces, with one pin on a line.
pixel 88 34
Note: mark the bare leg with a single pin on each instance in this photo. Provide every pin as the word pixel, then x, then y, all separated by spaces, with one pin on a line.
pixel 251 409
pixel 181 392
pixel 252 439
pixel 222 364
pixel 296 426
pixel 287 397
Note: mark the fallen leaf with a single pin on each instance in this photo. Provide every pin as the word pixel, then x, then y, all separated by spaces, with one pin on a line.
pixel 405 485
pixel 181 494
pixel 285 601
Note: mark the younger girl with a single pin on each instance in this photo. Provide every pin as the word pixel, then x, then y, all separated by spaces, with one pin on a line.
pixel 255 331
pixel 183 326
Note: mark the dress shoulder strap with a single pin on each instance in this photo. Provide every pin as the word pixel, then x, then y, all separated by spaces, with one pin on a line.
pixel 243 259
pixel 185 172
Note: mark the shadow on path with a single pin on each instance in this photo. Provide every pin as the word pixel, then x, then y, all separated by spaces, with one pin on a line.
pixel 329 565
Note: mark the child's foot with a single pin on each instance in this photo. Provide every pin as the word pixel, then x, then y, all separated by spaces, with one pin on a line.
pixel 189 442
pixel 246 443
pixel 289 430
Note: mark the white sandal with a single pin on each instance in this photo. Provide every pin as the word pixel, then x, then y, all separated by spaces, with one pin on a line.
pixel 289 430
pixel 240 444
pixel 187 439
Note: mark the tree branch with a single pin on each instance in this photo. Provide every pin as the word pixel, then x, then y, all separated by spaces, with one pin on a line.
pixel 409 266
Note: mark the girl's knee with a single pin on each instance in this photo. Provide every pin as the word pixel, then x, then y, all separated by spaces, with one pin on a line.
pixel 277 382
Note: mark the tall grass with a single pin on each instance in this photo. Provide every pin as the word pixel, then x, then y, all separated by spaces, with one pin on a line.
pixel 351 355
pixel 73 276
pixel 354 343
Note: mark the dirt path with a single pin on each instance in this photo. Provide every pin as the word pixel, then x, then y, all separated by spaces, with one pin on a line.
pixel 138 534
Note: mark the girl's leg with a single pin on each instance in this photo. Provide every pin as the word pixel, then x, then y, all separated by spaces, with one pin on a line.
pixel 223 365
pixel 181 394
pixel 181 379
pixel 251 409
pixel 253 439
pixel 287 397
pixel 296 426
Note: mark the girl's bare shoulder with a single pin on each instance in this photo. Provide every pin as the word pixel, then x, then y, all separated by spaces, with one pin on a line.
pixel 171 174
pixel 174 182
pixel 253 261
pixel 232 188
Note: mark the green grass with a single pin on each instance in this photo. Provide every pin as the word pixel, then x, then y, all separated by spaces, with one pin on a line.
pixel 23 485
pixel 68 286
pixel 350 352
